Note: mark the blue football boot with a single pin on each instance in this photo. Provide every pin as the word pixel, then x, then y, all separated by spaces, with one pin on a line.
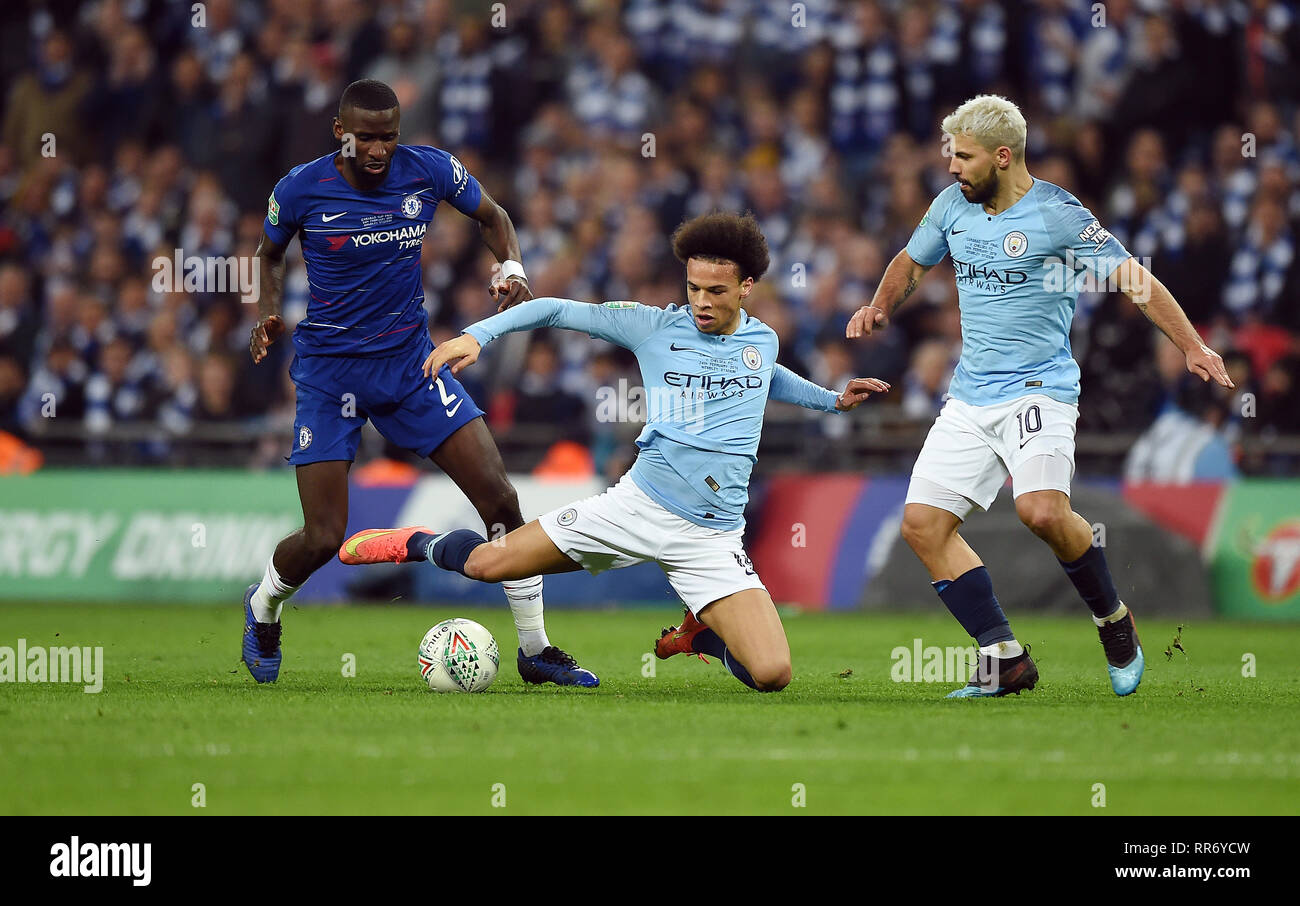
pixel 995 677
pixel 1124 659
pixel 261 654
pixel 555 666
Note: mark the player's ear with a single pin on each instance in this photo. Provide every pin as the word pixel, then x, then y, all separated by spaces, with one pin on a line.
pixel 746 287
pixel 338 129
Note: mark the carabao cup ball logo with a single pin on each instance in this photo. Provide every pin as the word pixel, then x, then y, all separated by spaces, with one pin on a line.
pixel 411 205
pixel 1276 566
pixel 752 358
pixel 1015 244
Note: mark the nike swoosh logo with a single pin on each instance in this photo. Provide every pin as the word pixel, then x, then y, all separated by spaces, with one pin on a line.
pixel 351 546
pixel 452 410
pixel 328 217
pixel 675 348
pixel 955 232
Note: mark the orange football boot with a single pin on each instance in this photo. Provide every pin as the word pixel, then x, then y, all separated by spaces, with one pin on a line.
pixel 379 545
pixel 678 639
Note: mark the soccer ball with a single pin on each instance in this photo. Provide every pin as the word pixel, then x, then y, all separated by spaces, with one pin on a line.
pixel 459 656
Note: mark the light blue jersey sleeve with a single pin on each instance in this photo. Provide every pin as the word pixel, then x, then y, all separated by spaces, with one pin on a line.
pixel 628 324
pixel 788 387
pixel 1081 240
pixel 929 243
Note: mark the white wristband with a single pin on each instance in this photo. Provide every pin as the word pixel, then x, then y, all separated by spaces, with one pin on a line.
pixel 512 268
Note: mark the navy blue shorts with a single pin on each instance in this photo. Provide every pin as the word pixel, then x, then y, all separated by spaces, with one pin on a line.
pixel 336 394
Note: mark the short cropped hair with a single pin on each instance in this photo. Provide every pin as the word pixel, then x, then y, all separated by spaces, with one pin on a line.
pixel 992 121
pixel 367 94
pixel 721 236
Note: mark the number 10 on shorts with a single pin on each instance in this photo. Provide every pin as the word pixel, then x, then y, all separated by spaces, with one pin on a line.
pixel 1030 421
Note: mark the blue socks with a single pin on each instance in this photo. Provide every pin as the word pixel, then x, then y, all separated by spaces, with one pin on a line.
pixel 708 642
pixel 1091 576
pixel 417 546
pixel 452 550
pixel 970 599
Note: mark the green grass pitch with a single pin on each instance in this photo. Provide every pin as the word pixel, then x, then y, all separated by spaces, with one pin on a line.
pixel 177 709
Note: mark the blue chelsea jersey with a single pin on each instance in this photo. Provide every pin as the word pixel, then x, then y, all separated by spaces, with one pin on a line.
pixel 362 249
pixel 1017 281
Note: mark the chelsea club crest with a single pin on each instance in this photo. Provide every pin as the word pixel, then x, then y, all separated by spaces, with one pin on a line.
pixel 411 205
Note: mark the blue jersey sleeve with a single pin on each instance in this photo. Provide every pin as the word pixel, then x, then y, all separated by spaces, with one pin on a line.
pixel 929 244
pixel 626 323
pixel 788 387
pixel 281 223
pixel 451 181
pixel 1081 240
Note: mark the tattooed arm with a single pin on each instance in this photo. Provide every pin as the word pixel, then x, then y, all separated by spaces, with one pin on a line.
pixel 899 281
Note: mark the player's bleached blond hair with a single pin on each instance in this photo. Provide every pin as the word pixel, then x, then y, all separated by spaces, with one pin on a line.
pixel 992 121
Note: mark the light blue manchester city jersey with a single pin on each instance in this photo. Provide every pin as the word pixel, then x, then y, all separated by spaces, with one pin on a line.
pixel 705 396
pixel 1017 279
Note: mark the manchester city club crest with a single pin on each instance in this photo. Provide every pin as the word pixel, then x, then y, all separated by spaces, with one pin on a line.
pixel 411 205
pixel 1015 244
pixel 752 358
pixel 568 517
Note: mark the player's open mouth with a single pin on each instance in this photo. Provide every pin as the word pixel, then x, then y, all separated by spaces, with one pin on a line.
pixel 376 166
pixel 703 321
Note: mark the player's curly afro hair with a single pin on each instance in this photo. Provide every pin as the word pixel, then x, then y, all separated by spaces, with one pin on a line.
pixel 724 237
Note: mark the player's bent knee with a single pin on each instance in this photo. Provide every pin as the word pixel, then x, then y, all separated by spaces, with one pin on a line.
pixel 923 532
pixel 771 676
pixel 1043 518
pixel 323 541
pixel 501 509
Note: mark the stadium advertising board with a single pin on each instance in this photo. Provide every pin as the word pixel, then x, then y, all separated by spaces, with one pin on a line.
pixel 1255 551
pixel 139 535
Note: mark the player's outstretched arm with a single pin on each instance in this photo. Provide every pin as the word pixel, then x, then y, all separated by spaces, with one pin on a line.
pixel 898 282
pixel 788 387
pixel 270 295
pixel 625 323
pixel 498 233
pixel 1158 304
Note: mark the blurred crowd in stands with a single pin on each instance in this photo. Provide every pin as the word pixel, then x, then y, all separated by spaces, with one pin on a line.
pixel 601 125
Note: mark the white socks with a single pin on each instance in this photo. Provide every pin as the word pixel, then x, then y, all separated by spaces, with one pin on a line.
pixel 1120 613
pixel 271 595
pixel 1003 649
pixel 525 597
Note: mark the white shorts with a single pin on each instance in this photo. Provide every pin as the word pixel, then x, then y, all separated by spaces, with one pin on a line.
pixel 971 450
pixel 624 527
